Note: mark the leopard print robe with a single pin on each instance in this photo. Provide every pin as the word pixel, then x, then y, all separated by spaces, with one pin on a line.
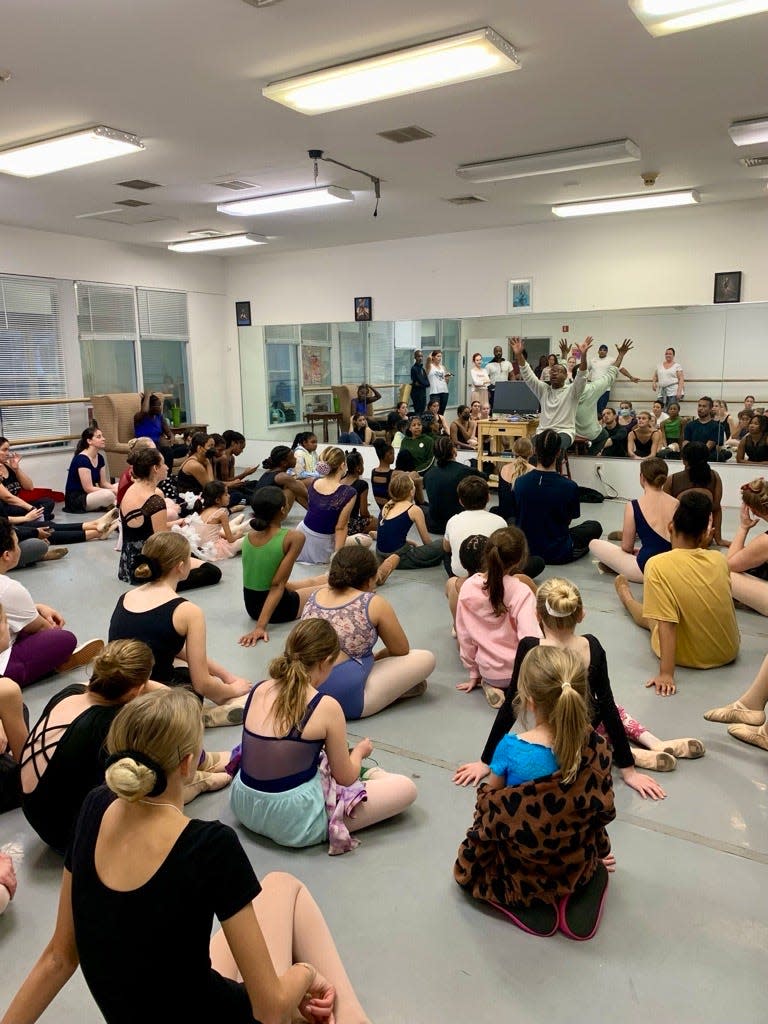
pixel 541 839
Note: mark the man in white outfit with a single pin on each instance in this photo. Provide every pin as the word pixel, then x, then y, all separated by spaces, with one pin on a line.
pixel 558 402
pixel 498 369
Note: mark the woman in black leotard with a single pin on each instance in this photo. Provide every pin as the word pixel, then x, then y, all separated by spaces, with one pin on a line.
pixel 161 879
pixel 753 447
pixel 169 624
pixel 143 512
pixel 197 470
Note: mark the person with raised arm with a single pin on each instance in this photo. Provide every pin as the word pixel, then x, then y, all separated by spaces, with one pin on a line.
pixel 558 402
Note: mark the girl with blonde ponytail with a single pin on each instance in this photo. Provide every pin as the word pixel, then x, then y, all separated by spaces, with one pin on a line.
pixel 329 506
pixel 560 610
pixel 295 761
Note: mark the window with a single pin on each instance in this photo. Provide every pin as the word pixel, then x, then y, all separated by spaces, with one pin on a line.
pixel 134 339
pixel 164 335
pixel 106 324
pixel 32 363
pixel 283 395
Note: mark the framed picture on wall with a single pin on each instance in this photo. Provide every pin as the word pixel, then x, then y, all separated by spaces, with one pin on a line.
pixel 363 308
pixel 520 295
pixel 243 314
pixel 728 286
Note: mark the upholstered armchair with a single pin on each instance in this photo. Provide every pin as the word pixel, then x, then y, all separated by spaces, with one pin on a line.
pixel 114 416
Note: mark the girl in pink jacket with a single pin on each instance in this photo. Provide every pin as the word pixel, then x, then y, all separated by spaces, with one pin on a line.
pixel 496 608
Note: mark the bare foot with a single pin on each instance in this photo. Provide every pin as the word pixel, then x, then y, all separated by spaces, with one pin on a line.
pixel 386 568
pixel 621 583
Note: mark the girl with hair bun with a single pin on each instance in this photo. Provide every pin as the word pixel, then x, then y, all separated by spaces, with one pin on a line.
pixel 62 758
pixel 144 513
pixel 174 629
pixel 280 472
pixel 329 506
pixel 139 868
pixel 495 609
pixel 533 852
pixel 269 553
pixel 364 683
pixel 559 610
pixel 647 518
pixel 748 562
pixel 298 782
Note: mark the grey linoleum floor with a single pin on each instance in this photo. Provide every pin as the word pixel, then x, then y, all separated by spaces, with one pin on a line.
pixel 685 932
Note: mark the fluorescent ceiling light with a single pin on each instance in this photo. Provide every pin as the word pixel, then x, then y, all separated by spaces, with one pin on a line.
pixel 627 204
pixel 280 202
pixel 663 17
pixel 749 133
pixel 414 69
pixel 222 242
pixel 621 151
pixel 65 151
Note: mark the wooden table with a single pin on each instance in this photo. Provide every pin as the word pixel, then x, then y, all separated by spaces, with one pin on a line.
pixel 497 429
pixel 325 418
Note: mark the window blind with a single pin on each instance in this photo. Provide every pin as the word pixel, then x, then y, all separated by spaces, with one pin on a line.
pixel 162 315
pixel 31 357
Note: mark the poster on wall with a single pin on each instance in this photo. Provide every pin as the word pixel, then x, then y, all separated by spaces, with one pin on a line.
pixel 243 314
pixel 315 365
pixel 520 295
pixel 363 308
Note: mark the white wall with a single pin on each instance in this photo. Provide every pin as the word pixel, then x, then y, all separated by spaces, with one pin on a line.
pixel 214 368
pixel 663 258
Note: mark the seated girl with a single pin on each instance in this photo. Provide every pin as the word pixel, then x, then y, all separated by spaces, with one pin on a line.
pixel 17 488
pixel 359 432
pixel 280 468
pixel 397 517
pixel 471 554
pixel 197 469
pixel 270 552
pixel 644 440
pixel 329 506
pixel 699 475
pixel 672 432
pixel 382 474
pixel 559 610
pixel 88 488
pixel 741 429
pixel 361 681
pixel 753 447
pixel 62 759
pixel 745 716
pixel 532 851
pixel 361 522
pixel 150 856
pixel 419 444
pixel 174 629
pixel 748 562
pixel 305 450
pixel 646 518
pixel 298 783
pixel 495 609
pixel 510 472
pixel 211 533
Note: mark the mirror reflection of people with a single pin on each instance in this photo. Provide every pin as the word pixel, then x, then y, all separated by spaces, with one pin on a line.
pixel 668 379
pixel 497 369
pixel 479 377
pixel 438 375
pixel 419 383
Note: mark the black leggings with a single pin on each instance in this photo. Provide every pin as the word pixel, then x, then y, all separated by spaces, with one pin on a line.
pixel 582 534
pixel 205 575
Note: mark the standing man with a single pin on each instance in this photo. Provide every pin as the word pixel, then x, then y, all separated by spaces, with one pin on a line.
pixel 597 368
pixel 498 369
pixel 558 402
pixel 419 383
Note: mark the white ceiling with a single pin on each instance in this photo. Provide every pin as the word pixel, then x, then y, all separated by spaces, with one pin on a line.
pixel 186 76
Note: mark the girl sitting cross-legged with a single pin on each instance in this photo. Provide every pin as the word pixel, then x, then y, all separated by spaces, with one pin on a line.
pixel 538 849
pixel 297 781
pixel 361 681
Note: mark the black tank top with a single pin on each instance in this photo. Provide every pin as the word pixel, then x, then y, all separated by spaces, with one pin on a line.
pixel 155 628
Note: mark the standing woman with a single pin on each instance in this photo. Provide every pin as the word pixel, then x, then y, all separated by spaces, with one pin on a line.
pixel 87 487
pixel 643 440
pixel 480 380
pixel 438 378
pixel 330 504
pixel 135 854
pixel 174 628
pixel 197 470
pixel 363 682
pixel 668 380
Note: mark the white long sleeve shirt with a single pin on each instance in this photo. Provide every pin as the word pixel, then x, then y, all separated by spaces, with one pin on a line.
pixel 558 405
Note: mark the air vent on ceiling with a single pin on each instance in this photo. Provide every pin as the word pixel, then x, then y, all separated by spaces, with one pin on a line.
pixel 410 134
pixel 130 218
pixel 131 202
pixel 139 184
pixel 754 161
pixel 205 232
pixel 466 200
pixel 236 184
pixel 261 3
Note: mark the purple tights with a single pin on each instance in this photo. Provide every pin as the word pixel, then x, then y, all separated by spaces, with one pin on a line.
pixel 38 654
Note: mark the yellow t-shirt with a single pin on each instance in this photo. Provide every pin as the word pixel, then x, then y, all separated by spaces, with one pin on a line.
pixel 692 588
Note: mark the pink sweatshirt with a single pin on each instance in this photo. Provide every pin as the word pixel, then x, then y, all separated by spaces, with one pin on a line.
pixel 487 642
